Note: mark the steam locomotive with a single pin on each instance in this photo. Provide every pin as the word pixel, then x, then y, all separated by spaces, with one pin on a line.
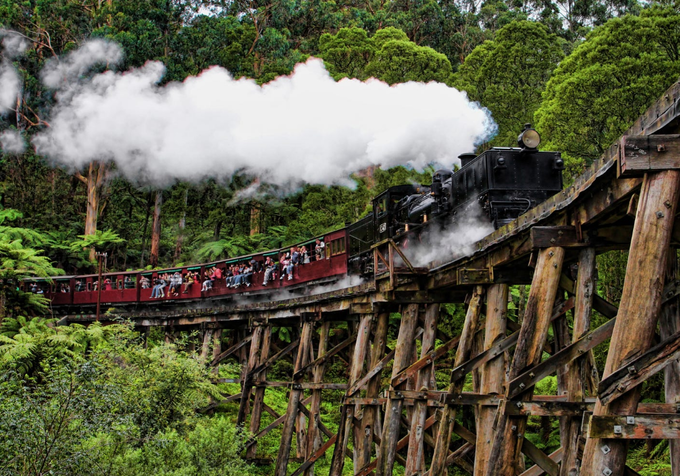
pixel 502 183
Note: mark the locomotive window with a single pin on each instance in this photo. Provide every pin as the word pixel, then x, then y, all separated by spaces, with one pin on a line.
pixel 382 206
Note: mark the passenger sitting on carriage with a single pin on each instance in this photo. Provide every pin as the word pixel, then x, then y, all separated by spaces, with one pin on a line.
pixel 207 281
pixel 286 267
pixel 295 256
pixel 157 291
pixel 145 283
pixel 175 284
pixel 269 268
pixel 255 265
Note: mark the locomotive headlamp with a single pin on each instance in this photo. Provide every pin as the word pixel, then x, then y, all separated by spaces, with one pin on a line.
pixel 559 164
pixel 529 138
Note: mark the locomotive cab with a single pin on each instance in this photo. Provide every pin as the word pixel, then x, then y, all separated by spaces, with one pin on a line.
pixel 385 206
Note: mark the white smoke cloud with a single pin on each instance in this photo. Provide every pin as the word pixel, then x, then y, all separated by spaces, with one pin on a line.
pixel 305 127
pixel 61 73
pixel 10 86
pixel 12 143
pixel 13 43
pixel 456 240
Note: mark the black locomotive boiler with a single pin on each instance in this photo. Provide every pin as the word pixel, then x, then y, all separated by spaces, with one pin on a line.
pixel 502 183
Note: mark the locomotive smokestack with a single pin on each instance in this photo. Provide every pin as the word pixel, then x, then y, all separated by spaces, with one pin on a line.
pixel 466 158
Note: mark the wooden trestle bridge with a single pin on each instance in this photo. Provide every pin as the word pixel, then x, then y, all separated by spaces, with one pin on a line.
pixel 628 200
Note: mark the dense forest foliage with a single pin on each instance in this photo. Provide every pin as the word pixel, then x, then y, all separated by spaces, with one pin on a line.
pixel 104 400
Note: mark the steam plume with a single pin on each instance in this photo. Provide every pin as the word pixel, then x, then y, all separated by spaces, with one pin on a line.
pixel 61 74
pixel 305 127
pixel 13 45
pixel 11 142
pixel 456 240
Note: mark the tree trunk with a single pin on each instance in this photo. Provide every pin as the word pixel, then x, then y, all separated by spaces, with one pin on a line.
pixel 255 219
pixel 95 178
pixel 156 230
pixel 146 225
pixel 182 225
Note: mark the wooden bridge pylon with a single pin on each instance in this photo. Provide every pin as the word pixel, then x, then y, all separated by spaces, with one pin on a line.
pixel 628 200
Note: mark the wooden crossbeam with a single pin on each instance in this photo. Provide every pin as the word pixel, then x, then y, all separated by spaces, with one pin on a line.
pixel 650 153
pixel 424 361
pixel 601 305
pixel 635 427
pixel 529 378
pixel 376 370
pixel 549 409
pixel 270 361
pixel 546 463
pixel 317 454
pixel 324 358
pixel 638 370
pixel 230 351
pixel 272 425
pixel 401 444
pixel 536 470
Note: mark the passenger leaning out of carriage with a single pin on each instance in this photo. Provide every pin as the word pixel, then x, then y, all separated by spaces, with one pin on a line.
pixel 269 268
pixel 319 249
pixel 304 255
pixel 189 279
pixel 243 276
pixel 286 266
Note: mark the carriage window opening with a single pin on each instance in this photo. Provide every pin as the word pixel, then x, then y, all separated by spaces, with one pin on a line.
pixel 119 284
pixel 89 286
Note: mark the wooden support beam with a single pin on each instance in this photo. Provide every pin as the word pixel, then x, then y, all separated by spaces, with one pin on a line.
pixel 531 377
pixel 638 311
pixel 258 402
pixel 293 401
pixel 493 370
pixel 635 427
pixel 253 359
pixel 416 446
pixel 642 154
pixel 390 437
pixel 669 324
pixel 507 443
pixel 443 436
pixel 314 441
pixel 347 414
pixel 372 414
